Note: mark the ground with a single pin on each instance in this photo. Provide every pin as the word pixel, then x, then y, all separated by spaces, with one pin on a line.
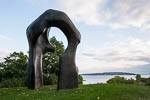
pixel 84 92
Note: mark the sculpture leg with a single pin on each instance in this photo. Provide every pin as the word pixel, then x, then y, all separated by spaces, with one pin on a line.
pixel 31 71
pixel 68 75
pixel 35 61
pixel 35 70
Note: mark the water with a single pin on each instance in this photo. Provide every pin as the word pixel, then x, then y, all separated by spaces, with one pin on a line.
pixel 93 79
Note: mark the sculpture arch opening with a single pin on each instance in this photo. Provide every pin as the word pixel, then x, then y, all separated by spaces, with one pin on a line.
pixel 37 34
pixel 50 63
pixel 58 34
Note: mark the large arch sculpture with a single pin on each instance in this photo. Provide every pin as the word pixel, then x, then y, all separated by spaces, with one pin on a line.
pixel 37 34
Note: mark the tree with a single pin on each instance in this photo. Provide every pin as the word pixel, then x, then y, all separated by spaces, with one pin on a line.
pixel 51 62
pixel 51 59
pixel 138 77
pixel 13 72
pixel 14 65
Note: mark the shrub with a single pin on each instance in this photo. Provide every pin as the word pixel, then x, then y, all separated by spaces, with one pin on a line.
pixel 130 81
pixel 121 80
pixel 116 79
pixel 50 79
pixel 138 77
pixel 14 82
pixel 1 75
pixel 143 80
pixel 80 79
pixel 148 82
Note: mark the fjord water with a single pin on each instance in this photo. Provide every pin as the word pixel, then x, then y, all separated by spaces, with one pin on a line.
pixel 93 79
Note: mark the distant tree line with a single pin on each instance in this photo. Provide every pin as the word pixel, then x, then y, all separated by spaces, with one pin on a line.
pixel 13 70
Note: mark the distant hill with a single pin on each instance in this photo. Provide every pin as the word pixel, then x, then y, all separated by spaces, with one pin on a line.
pixel 110 73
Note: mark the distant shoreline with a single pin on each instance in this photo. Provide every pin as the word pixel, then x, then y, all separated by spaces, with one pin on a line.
pixel 110 73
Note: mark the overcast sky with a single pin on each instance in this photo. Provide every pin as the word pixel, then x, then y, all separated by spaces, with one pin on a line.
pixel 115 34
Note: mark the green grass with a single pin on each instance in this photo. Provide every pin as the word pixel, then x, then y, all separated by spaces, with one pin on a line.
pixel 84 92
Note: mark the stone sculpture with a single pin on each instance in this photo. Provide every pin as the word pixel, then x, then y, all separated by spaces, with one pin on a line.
pixel 37 34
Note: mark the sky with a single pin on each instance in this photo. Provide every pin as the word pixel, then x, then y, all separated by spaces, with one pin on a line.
pixel 115 34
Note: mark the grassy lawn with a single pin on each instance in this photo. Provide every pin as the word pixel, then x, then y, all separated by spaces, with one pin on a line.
pixel 84 92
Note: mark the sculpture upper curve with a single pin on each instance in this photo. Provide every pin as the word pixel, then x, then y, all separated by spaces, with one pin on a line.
pixel 54 18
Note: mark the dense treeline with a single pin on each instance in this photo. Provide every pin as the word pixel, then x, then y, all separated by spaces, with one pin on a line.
pixel 13 70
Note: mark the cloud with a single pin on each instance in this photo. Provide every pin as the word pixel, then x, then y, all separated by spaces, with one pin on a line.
pixel 117 56
pixel 83 10
pixel 80 10
pixel 115 14
pixel 3 53
pixel 130 13
pixel 2 37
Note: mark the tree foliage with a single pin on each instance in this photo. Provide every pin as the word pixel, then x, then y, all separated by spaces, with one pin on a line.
pixel 138 77
pixel 14 65
pixel 51 59
pixel 13 70
pixel 51 62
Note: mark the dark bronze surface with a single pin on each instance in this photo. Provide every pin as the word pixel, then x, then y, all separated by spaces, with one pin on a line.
pixel 37 34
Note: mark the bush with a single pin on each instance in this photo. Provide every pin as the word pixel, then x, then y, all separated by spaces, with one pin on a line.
pixel 1 73
pixel 148 82
pixel 143 80
pixel 130 81
pixel 50 79
pixel 80 79
pixel 116 79
pixel 138 77
pixel 14 82
pixel 121 80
